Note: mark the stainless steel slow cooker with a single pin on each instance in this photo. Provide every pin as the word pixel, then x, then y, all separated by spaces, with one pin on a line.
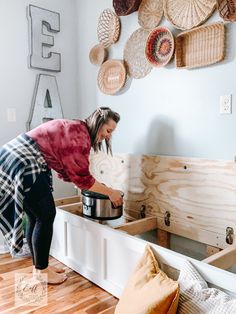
pixel 99 206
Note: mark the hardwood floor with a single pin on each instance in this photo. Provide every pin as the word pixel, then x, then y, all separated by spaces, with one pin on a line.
pixel 75 295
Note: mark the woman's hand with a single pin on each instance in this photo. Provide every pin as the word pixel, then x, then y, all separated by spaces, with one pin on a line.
pixel 115 197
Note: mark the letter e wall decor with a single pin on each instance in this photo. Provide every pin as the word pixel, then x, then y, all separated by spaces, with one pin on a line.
pixel 46 104
pixel 41 20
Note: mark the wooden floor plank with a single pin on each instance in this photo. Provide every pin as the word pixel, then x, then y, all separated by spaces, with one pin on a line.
pixel 75 295
pixel 101 306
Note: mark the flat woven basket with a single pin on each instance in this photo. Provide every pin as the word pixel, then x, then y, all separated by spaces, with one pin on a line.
pixel 97 54
pixel 186 14
pixel 134 54
pixel 125 7
pixel 111 76
pixel 160 46
pixel 150 13
pixel 108 29
pixel 227 9
pixel 201 46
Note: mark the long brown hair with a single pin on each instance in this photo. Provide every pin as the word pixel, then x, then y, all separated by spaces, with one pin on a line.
pixel 95 121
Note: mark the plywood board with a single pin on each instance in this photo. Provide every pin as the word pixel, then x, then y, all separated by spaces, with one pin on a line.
pixel 199 194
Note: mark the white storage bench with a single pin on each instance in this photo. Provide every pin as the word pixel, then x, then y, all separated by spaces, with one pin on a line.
pixel 106 254
pixel 190 197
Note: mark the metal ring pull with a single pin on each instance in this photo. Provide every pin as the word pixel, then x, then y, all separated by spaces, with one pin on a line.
pixel 167 218
pixel 229 235
pixel 142 211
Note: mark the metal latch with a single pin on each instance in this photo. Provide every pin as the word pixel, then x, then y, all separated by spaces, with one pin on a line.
pixel 167 218
pixel 229 235
pixel 142 211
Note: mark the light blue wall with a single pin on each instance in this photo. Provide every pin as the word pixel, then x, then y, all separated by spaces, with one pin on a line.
pixel 170 111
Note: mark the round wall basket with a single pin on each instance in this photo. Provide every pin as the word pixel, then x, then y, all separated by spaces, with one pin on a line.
pixel 159 46
pixel 126 7
pixel 150 13
pixel 186 14
pixel 227 9
pixel 111 76
pixel 134 54
pixel 108 30
pixel 97 54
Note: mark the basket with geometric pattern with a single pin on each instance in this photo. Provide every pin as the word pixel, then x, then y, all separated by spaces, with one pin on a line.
pixel 227 9
pixel 160 46
pixel 108 30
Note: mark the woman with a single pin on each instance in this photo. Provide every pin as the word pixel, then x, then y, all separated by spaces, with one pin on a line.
pixel 25 179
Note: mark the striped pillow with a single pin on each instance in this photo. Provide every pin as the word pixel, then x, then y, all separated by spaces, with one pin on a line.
pixel 197 298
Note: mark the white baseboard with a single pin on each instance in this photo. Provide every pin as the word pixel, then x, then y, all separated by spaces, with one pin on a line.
pixel 4 249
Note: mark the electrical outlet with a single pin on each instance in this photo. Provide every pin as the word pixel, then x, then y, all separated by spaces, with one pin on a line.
pixel 225 104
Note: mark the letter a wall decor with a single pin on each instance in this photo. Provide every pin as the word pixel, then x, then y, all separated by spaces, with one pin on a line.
pixel 46 104
pixel 40 22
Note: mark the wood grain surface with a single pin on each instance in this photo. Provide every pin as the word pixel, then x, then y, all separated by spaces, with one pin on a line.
pixel 199 194
pixel 75 295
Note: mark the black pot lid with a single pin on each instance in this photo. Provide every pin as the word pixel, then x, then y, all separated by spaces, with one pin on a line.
pixel 94 194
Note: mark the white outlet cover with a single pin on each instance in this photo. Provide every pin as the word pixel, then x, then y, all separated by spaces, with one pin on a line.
pixel 226 104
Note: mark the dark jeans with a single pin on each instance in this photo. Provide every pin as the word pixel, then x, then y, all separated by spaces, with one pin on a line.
pixel 40 209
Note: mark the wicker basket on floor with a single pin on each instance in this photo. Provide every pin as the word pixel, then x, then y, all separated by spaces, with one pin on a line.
pixel 227 9
pixel 201 46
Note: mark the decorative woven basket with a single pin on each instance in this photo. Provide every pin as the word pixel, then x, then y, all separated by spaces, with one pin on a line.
pixel 108 28
pixel 227 9
pixel 134 54
pixel 98 54
pixel 150 13
pixel 126 7
pixel 160 46
pixel 111 76
pixel 186 14
pixel 201 46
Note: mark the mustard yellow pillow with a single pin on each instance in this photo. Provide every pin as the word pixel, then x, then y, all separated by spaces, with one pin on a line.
pixel 149 290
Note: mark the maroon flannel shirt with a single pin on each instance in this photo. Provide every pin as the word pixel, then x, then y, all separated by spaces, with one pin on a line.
pixel 65 145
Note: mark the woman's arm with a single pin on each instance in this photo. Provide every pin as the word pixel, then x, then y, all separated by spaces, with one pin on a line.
pixel 114 195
